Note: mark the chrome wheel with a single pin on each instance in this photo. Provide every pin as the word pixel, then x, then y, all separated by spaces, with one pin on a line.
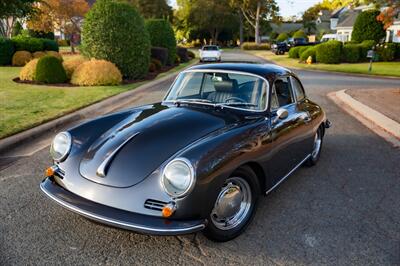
pixel 317 145
pixel 232 205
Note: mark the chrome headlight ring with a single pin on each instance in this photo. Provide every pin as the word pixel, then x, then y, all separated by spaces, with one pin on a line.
pixel 61 146
pixel 178 177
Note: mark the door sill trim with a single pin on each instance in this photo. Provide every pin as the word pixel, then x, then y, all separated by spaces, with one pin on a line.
pixel 287 175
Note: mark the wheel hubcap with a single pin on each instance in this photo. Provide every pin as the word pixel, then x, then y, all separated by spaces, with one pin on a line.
pixel 317 145
pixel 232 205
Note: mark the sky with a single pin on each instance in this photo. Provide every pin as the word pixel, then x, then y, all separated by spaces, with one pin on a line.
pixel 287 7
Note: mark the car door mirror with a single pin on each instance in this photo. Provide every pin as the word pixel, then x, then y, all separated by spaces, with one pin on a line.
pixel 281 114
pixel 199 50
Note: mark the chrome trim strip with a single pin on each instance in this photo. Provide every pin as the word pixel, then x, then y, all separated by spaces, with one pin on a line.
pixel 102 169
pixel 287 175
pixel 116 222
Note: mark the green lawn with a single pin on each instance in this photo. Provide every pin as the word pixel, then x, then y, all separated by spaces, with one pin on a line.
pixel 23 106
pixel 378 68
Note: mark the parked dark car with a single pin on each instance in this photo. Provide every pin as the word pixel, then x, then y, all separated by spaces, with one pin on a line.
pixel 280 48
pixel 224 135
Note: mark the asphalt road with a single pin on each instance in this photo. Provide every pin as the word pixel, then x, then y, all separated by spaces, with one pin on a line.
pixel 344 211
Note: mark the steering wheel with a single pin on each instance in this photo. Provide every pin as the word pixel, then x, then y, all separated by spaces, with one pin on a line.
pixel 236 99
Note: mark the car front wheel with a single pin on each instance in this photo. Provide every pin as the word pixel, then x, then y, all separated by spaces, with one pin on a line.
pixel 234 207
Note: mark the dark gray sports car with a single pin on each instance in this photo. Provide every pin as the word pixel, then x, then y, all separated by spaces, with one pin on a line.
pixel 224 135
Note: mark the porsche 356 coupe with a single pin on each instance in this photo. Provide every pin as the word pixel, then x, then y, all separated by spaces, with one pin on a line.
pixel 199 160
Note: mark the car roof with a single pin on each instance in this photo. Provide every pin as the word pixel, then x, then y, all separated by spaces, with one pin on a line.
pixel 264 70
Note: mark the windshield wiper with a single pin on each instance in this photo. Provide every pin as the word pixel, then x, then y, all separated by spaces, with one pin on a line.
pixel 237 104
pixel 180 101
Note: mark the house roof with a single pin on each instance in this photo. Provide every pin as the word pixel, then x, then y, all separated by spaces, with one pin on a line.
pixel 286 27
pixel 337 12
pixel 348 19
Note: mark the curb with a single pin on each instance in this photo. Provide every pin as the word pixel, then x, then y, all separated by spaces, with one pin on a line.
pixel 374 120
pixel 102 107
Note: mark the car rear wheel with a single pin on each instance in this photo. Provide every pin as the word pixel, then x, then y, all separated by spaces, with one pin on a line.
pixel 234 207
pixel 316 152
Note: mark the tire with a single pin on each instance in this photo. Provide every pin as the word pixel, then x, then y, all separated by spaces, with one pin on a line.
pixel 317 148
pixel 243 185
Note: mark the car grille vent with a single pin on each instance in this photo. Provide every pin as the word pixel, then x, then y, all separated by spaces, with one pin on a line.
pixel 154 204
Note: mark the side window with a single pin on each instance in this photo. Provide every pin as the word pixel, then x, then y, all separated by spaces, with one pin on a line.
pixel 298 89
pixel 281 93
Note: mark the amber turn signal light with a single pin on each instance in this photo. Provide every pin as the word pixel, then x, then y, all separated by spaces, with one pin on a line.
pixel 50 171
pixel 168 210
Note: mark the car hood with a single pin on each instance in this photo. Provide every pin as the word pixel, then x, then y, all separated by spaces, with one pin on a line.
pixel 136 146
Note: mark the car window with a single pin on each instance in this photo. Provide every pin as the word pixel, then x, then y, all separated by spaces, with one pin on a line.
pixel 298 89
pixel 192 82
pixel 282 93
pixel 210 48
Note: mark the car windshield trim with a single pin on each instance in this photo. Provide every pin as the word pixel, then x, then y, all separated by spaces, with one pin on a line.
pixel 267 96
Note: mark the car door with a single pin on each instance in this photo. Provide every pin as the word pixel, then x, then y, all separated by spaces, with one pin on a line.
pixel 287 133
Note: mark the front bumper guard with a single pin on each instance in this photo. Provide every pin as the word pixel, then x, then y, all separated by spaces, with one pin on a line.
pixel 116 217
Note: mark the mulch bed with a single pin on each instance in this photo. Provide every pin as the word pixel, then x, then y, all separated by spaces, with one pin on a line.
pixel 149 76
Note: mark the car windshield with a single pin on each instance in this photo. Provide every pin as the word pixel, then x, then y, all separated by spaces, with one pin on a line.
pixel 210 48
pixel 237 90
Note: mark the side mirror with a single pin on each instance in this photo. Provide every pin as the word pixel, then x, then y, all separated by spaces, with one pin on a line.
pixel 281 114
pixel 199 50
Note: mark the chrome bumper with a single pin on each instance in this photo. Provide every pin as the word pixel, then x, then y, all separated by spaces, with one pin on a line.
pixel 116 217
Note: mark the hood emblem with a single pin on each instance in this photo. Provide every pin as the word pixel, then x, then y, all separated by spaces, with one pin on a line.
pixel 103 167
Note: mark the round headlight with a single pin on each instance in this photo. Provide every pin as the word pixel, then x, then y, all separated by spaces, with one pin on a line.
pixel 60 146
pixel 178 177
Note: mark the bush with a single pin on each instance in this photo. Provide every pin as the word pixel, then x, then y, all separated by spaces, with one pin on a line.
pixel 282 37
pixel 386 52
pixel 156 63
pixel 294 52
pixel 299 34
pixel 182 53
pixel 71 65
pixel 6 51
pixel 365 46
pixel 62 42
pixel 55 54
pixel 162 35
pixel 23 43
pixel 160 54
pixel 397 54
pixel 96 73
pixel 50 45
pixel 38 54
pixel 50 70
pixel 115 32
pixel 28 72
pixel 311 51
pixel 177 60
pixel 329 52
pixel 41 34
pixel 351 53
pixel 302 49
pixel 367 27
pixel 152 67
pixel 254 46
pixel 20 58
pixel 191 54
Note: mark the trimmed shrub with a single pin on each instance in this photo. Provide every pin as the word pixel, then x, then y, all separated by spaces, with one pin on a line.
pixel 191 54
pixel 329 52
pixel 162 35
pixel 50 45
pixel 302 49
pixel 55 54
pixel 299 34
pixel 20 58
pixel 294 52
pixel 254 46
pixel 160 54
pixel 156 63
pixel 6 51
pixel 365 46
pixel 351 53
pixel 282 37
pixel 28 72
pixel 50 70
pixel 41 34
pixel 311 51
pixel 152 67
pixel 397 54
pixel 23 43
pixel 367 27
pixel 62 42
pixel 96 73
pixel 182 52
pixel 38 54
pixel 71 65
pixel 115 32
pixel 386 52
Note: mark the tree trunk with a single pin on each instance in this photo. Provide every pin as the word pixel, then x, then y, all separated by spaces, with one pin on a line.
pixel 257 26
pixel 241 28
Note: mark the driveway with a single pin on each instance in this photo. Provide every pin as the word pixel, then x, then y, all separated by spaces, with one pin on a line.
pixel 345 210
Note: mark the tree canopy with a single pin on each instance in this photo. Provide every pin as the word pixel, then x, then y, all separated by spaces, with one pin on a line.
pixel 152 8
pixel 10 11
pixel 367 27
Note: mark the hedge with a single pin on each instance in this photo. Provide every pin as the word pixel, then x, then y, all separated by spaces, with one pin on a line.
pixel 182 52
pixel 294 52
pixel 160 54
pixel 397 54
pixel 299 34
pixel 365 46
pixel 50 70
pixel 351 53
pixel 255 46
pixel 162 35
pixel 311 51
pixel 115 31
pixel 329 52
pixel 50 45
pixel 6 51
pixel 367 27
pixel 386 52
pixel 23 43
pixel 282 37
pixel 96 73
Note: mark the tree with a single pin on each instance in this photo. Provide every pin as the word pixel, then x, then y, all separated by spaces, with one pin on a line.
pixel 299 34
pixel 282 37
pixel 152 8
pixel 64 15
pixel 388 14
pixel 11 11
pixel 367 27
pixel 256 10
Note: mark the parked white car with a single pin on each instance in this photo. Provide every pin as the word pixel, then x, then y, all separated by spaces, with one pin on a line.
pixel 329 37
pixel 210 53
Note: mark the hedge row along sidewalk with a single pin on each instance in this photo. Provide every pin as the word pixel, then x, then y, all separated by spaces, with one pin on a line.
pixel 387 69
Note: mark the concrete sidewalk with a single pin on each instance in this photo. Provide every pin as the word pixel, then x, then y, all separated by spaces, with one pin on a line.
pixel 378 122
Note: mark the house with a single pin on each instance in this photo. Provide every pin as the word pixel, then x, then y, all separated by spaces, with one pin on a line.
pixel 335 16
pixel 344 27
pixel 393 32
